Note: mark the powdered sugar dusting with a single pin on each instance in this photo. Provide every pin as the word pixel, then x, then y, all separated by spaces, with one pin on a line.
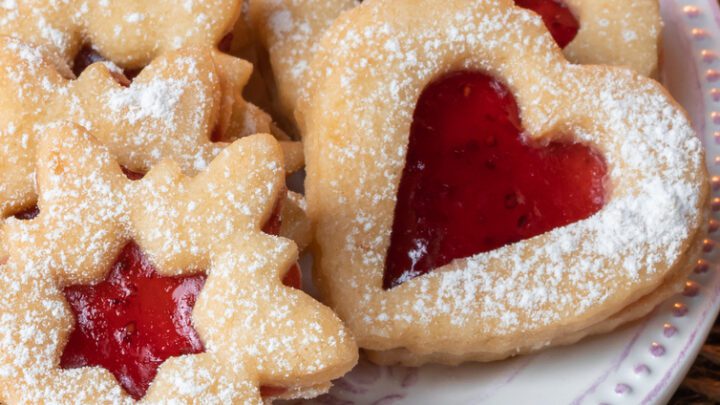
pixel 619 33
pixel 129 34
pixel 291 30
pixel 614 33
pixel 156 99
pixel 8 4
pixel 252 326
pixel 575 275
pixel 169 111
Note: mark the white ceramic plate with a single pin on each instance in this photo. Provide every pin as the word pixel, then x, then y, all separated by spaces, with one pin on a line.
pixel 641 363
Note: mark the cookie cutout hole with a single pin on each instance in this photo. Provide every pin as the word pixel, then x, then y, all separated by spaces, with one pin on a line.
pixel 88 55
pixel 28 213
pixel 132 321
pixel 558 19
pixel 472 183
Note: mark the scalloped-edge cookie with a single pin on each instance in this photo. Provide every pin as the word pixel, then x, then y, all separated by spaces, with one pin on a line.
pixel 173 109
pixel 130 33
pixel 647 183
pixel 258 337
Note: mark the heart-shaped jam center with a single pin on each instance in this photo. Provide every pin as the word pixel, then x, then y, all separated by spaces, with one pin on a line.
pixel 558 19
pixel 473 183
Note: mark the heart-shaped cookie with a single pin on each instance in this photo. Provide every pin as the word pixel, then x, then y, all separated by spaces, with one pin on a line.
pixel 635 237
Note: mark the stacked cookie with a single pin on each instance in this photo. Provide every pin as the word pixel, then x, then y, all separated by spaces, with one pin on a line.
pixel 475 188
pixel 149 242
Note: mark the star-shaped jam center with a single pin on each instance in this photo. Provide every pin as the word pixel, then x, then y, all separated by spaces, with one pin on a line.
pixel 133 321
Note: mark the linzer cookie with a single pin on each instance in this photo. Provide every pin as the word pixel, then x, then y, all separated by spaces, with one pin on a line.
pixel 611 32
pixel 163 289
pixel 184 106
pixel 170 110
pixel 476 196
pixel 130 33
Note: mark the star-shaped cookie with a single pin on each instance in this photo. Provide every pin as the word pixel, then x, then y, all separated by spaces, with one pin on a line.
pixel 256 331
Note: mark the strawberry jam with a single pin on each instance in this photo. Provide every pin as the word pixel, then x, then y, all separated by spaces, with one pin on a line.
pixel 86 57
pixel 557 18
pixel 132 175
pixel 293 277
pixel 134 320
pixel 28 214
pixel 267 391
pixel 473 183
pixel 274 223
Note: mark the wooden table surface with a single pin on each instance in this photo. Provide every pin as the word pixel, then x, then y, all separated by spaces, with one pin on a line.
pixel 702 384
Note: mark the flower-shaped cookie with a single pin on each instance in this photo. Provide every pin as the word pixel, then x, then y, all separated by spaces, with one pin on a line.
pixel 173 109
pixel 476 196
pixel 256 331
pixel 613 32
pixel 129 33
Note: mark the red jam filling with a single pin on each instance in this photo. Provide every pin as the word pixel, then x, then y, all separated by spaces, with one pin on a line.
pixel 293 277
pixel 28 214
pixel 133 321
pixel 558 19
pixel 472 183
pixel 132 175
pixel 267 391
pixel 273 225
pixel 87 56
